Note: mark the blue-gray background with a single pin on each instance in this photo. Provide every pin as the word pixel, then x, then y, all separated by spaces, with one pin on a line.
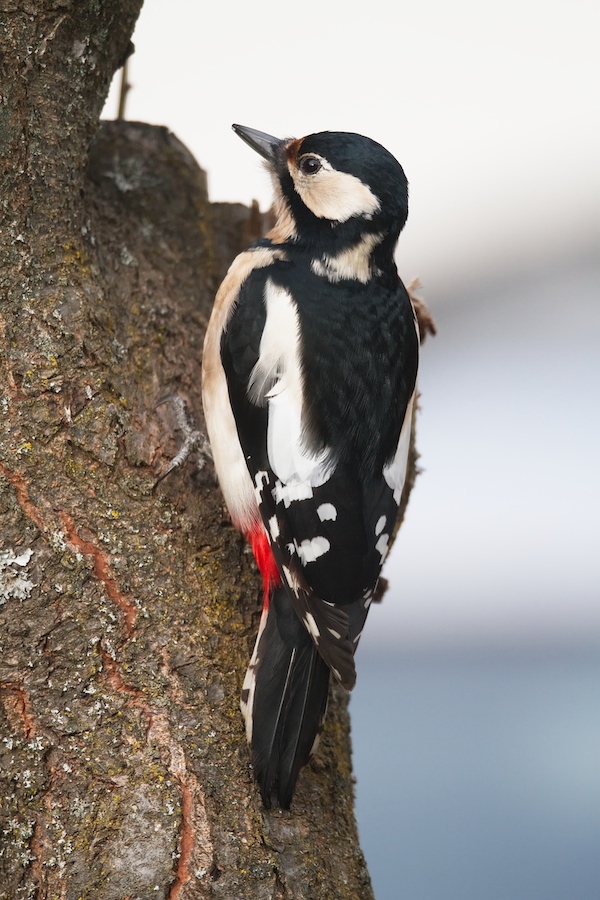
pixel 478 774
pixel 476 714
pixel 476 721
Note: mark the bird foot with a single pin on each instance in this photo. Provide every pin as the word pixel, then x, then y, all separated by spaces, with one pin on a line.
pixel 193 438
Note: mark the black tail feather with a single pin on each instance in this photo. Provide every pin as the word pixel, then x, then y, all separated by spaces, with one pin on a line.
pixel 289 700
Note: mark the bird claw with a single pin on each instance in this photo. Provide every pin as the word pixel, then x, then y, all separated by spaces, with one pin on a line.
pixel 193 438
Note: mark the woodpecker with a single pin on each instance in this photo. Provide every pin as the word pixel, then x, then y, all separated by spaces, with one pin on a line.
pixel 309 376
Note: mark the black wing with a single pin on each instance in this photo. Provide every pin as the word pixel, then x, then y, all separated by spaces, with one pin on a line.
pixel 318 459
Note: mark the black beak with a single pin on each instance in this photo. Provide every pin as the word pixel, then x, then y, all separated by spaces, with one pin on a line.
pixel 265 144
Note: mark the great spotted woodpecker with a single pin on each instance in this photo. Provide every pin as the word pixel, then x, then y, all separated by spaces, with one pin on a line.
pixel 309 373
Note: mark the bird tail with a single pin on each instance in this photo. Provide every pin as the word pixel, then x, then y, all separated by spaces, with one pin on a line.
pixel 284 699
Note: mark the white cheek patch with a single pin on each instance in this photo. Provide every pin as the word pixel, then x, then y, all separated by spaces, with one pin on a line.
pixel 333 195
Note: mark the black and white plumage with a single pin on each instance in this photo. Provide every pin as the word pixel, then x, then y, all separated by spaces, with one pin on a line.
pixel 309 374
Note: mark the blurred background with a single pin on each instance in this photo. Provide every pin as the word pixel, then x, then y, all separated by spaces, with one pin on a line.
pixel 476 718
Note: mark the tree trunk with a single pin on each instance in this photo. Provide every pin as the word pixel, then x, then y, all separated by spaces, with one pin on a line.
pixel 127 615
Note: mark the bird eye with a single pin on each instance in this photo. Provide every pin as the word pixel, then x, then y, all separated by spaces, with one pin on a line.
pixel 309 165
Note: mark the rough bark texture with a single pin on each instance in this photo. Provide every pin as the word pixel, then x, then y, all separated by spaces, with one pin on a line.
pixel 127 616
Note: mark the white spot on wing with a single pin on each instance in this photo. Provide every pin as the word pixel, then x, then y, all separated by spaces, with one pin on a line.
pixel 335 633
pixel 311 550
pixel 327 512
pixel 313 628
pixel 291 579
pixel 260 479
pixel 249 686
pixel 380 524
pixel 383 546
pixel 274 527
pixel 287 493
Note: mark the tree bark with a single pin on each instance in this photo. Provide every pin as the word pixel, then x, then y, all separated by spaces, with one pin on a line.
pixel 127 615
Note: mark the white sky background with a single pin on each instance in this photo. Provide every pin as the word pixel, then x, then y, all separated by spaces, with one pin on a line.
pixel 494 113
pixel 489 107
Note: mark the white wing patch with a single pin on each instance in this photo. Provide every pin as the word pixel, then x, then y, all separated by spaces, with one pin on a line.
pixel 395 472
pixel 277 380
pixel 278 352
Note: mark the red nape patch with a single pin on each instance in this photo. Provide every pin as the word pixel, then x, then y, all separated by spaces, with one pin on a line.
pixel 264 559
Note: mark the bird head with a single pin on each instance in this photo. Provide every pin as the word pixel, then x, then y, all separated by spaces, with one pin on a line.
pixel 332 188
